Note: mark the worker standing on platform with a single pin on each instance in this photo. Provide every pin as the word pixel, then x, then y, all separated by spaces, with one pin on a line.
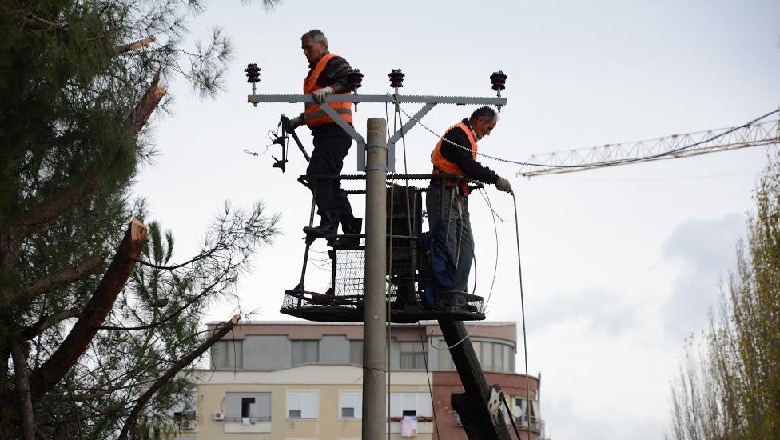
pixel 447 199
pixel 328 74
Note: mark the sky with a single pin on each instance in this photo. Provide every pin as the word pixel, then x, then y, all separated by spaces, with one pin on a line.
pixel 619 265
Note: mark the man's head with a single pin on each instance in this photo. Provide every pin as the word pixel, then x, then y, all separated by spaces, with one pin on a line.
pixel 483 121
pixel 314 44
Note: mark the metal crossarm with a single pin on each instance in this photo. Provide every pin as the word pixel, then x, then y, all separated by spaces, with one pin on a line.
pixel 430 101
pixel 389 98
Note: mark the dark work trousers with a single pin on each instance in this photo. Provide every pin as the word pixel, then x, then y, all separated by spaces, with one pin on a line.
pixel 445 204
pixel 331 145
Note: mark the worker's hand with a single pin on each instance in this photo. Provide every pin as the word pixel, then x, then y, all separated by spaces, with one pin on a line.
pixel 319 95
pixel 295 123
pixel 504 185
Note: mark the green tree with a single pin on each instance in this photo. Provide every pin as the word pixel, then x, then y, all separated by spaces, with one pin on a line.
pixel 731 389
pixel 83 354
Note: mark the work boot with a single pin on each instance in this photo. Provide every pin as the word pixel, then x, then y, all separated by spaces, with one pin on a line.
pixel 351 227
pixel 329 224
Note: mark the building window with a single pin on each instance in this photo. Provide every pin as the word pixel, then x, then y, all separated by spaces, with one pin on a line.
pixel 509 359
pixel 405 403
pixel 413 355
pixel 356 353
pixel 305 352
pixel 248 407
pixel 302 405
pixel 350 405
pixel 445 358
pixel 227 355
pixel 495 356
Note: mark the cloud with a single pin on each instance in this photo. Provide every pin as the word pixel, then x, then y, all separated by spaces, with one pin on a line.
pixel 596 310
pixel 583 418
pixel 706 249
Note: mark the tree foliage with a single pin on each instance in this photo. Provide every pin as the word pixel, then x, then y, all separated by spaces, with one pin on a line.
pixel 731 390
pixel 81 351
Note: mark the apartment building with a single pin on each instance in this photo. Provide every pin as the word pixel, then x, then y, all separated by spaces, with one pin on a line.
pixel 303 381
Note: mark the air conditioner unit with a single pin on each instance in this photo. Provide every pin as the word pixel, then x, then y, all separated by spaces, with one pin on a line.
pixel 188 425
pixel 219 416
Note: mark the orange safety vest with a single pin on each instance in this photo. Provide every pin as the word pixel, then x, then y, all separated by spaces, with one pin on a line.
pixel 442 165
pixel 313 115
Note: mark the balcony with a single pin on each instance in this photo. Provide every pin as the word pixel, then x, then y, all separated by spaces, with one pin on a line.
pixel 240 425
pixel 534 424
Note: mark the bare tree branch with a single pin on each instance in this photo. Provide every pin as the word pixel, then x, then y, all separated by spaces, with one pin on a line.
pixel 61 279
pixel 47 322
pixel 130 423
pixel 67 354
pixel 31 20
pixel 148 103
pixel 119 50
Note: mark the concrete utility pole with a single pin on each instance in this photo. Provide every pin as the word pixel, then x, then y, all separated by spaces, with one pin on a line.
pixel 374 341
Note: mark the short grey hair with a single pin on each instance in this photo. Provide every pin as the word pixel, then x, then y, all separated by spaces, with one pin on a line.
pixel 316 35
pixel 486 113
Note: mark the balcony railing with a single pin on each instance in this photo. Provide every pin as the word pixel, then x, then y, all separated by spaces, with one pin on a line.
pixel 532 423
pixel 250 420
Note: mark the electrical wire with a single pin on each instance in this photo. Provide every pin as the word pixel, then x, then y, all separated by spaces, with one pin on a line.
pixel 388 290
pixel 499 159
pixel 409 226
pixel 522 300
pixel 428 377
pixel 509 411
pixel 604 164
pixel 493 214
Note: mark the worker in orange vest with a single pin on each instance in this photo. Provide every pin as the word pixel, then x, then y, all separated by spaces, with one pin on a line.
pixel 447 199
pixel 328 74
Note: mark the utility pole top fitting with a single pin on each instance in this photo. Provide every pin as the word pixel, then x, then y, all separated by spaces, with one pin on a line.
pixel 498 79
pixel 253 76
pixel 396 78
pixel 252 73
pixel 355 80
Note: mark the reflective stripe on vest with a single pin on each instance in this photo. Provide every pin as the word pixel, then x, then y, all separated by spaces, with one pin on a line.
pixel 313 115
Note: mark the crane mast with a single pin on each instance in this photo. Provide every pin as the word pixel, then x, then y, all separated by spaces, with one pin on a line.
pixel 752 134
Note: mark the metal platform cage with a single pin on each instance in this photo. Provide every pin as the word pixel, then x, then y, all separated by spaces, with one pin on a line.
pixel 407 275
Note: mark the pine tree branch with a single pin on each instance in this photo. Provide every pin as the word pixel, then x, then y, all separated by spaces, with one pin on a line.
pixel 47 322
pixel 200 256
pixel 33 21
pixel 100 393
pixel 71 196
pixel 119 50
pixel 141 402
pixel 61 202
pixel 63 278
pixel 19 352
pixel 75 344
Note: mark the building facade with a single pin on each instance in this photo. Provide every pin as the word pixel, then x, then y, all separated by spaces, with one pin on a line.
pixel 303 381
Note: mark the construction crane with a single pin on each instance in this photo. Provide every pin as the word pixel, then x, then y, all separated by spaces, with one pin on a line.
pixel 760 131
